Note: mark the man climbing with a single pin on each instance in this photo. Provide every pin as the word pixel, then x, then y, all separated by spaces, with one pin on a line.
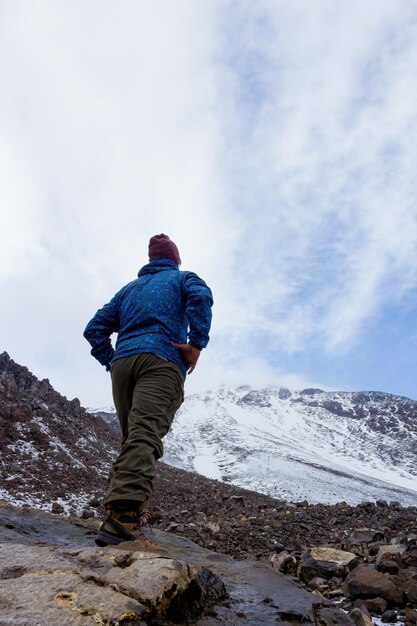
pixel 163 320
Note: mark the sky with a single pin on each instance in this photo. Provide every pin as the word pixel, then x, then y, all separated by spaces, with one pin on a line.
pixel 274 141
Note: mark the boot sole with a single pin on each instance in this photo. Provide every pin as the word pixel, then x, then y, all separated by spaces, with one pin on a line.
pixel 104 539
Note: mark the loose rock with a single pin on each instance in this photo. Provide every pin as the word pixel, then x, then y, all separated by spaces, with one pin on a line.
pixel 360 618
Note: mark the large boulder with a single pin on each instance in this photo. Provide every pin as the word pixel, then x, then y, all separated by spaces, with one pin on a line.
pixel 325 562
pixel 366 582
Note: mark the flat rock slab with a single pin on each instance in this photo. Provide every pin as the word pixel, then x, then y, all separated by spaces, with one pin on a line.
pixel 63 598
pixel 49 585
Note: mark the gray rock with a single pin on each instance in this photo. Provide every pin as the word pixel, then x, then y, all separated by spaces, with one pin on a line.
pixel 80 586
pixel 200 518
pixel 320 584
pixel 389 617
pixel 63 598
pixel 213 527
pixel 284 562
pixel 324 562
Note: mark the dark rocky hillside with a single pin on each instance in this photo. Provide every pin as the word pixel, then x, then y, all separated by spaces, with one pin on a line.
pixel 52 450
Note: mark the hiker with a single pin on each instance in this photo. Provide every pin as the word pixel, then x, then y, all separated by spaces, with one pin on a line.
pixel 163 320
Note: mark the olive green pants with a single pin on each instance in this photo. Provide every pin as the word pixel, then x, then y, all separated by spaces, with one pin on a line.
pixel 147 392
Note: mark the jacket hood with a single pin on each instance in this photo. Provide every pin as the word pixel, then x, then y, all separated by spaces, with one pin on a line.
pixel 159 265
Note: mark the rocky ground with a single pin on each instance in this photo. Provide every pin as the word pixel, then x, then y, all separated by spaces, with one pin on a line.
pixel 377 570
pixel 365 557
pixel 55 455
pixel 51 573
pixel 248 524
pixel 344 584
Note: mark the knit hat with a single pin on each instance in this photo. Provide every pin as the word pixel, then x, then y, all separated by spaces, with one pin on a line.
pixel 161 247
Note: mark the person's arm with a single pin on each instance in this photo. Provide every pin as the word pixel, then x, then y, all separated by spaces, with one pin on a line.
pixel 98 331
pixel 199 301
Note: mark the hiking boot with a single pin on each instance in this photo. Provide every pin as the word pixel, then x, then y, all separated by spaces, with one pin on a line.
pixel 121 526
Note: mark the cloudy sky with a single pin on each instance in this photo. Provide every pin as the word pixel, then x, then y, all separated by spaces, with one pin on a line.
pixel 274 141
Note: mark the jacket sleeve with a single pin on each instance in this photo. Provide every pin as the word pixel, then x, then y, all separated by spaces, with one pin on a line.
pixel 98 331
pixel 198 303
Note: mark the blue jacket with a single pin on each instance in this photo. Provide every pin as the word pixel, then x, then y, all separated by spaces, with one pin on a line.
pixel 162 305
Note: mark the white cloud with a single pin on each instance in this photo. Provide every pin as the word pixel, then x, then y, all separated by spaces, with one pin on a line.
pixel 274 142
pixel 252 369
pixel 326 170
pixel 110 136
pixel 117 107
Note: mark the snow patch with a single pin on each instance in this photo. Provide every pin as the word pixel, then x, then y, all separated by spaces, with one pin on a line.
pixel 24 448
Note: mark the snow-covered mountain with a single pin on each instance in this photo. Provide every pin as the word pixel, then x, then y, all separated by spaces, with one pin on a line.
pixel 314 445
pixel 310 444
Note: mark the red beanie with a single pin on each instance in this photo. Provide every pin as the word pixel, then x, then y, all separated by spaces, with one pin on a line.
pixel 161 247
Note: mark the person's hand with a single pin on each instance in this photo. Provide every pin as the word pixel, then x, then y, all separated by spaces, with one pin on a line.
pixel 189 354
